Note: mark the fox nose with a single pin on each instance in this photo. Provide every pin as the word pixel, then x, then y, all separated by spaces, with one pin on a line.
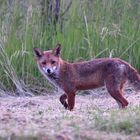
pixel 49 71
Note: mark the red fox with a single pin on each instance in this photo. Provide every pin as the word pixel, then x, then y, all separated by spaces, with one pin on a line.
pixel 71 77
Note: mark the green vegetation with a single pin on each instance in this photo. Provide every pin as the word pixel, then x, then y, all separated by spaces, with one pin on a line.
pixel 114 121
pixel 88 29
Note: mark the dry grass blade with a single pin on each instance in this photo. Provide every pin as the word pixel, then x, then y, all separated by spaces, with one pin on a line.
pixel 2 93
pixel 10 72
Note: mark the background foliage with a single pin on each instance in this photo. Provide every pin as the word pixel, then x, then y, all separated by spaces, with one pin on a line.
pixel 86 29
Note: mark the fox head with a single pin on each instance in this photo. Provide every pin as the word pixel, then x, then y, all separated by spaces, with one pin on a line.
pixel 48 61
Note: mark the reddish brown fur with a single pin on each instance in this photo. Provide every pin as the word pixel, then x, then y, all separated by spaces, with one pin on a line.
pixel 111 72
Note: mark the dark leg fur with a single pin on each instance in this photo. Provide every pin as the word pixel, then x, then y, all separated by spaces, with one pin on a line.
pixel 63 100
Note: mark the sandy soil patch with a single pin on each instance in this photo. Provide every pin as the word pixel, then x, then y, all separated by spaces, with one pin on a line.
pixel 43 117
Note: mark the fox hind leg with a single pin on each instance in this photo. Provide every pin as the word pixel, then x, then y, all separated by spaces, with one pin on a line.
pixel 115 89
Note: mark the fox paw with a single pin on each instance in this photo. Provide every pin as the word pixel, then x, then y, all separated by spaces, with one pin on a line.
pixel 70 109
pixel 65 105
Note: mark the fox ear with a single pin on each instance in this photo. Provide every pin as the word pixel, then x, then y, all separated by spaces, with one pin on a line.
pixel 56 51
pixel 38 53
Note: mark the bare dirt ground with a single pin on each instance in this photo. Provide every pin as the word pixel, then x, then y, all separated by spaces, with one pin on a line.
pixel 44 118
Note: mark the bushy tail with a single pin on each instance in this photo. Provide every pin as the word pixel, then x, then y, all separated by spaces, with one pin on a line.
pixel 133 77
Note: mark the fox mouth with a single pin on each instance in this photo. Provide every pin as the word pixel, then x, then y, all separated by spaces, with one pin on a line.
pixel 53 76
pixel 50 74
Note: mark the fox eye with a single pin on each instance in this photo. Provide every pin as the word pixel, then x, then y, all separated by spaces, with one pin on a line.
pixel 44 62
pixel 52 62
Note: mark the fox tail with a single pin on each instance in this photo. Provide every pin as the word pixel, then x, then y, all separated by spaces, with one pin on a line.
pixel 133 77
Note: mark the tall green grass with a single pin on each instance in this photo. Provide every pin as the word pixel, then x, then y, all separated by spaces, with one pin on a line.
pixel 89 29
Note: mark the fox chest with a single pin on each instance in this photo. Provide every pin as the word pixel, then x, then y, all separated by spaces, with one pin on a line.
pixel 53 79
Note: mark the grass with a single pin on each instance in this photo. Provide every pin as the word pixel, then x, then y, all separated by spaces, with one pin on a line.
pixel 89 29
pixel 114 121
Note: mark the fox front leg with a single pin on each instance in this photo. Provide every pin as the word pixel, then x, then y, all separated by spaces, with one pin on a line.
pixel 63 100
pixel 71 101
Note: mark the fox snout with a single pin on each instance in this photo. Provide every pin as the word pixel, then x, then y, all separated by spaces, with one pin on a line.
pixel 49 71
